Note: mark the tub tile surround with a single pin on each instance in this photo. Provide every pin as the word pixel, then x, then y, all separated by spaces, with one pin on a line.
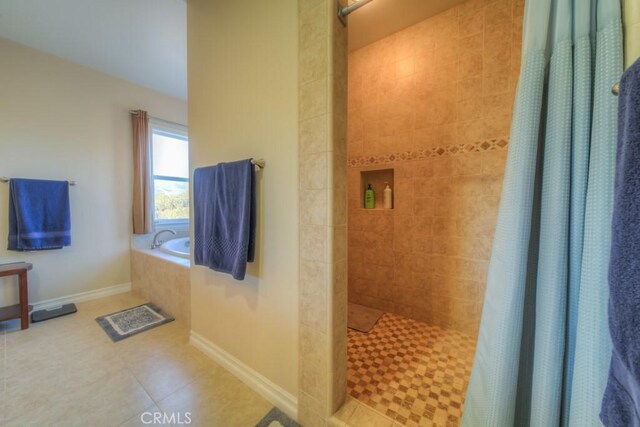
pixel 323 206
pixel 438 114
pixel 164 280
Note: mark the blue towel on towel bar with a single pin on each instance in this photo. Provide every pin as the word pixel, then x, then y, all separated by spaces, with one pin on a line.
pixel 621 402
pixel 39 215
pixel 224 207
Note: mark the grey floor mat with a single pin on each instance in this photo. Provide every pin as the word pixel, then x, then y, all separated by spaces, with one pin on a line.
pixel 277 418
pixel 362 318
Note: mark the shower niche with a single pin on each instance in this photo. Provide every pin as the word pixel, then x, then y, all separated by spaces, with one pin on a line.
pixel 378 178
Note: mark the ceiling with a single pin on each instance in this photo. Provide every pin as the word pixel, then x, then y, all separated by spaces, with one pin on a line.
pixel 381 18
pixel 143 41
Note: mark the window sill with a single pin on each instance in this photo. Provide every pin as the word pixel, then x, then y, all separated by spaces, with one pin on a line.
pixel 175 226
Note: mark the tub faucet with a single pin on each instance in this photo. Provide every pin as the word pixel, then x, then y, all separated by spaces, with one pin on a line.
pixel 157 242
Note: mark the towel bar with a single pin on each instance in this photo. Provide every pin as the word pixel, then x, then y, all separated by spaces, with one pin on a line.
pixel 5 180
pixel 259 163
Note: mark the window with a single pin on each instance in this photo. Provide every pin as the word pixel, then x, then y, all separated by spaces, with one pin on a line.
pixel 169 173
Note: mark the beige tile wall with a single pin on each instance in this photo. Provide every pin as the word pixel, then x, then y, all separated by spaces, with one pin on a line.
pixel 323 211
pixel 163 283
pixel 434 102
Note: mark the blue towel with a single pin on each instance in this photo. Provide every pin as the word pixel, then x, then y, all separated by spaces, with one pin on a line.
pixel 621 402
pixel 39 215
pixel 224 208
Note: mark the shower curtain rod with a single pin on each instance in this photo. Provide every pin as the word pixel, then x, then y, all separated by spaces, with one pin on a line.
pixel 344 11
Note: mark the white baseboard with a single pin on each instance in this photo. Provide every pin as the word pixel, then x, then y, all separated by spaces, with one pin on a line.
pixel 275 394
pixel 82 296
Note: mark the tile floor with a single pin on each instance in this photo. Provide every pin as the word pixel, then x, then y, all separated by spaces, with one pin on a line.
pixel 413 373
pixel 67 372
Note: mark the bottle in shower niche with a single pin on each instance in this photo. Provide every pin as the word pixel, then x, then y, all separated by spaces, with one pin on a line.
pixel 369 198
pixel 387 196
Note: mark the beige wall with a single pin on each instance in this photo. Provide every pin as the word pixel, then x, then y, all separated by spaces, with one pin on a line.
pixel 63 121
pixel 243 103
pixel 631 12
pixel 438 113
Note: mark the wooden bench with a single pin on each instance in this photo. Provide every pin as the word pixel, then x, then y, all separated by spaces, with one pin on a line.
pixel 22 309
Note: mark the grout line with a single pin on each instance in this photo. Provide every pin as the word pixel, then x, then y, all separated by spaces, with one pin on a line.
pixel 136 415
pixel 128 368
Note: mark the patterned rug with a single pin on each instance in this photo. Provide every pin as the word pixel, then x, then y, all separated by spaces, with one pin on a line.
pixel 131 321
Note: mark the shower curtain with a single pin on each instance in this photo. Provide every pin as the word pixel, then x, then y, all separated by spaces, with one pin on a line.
pixel 543 348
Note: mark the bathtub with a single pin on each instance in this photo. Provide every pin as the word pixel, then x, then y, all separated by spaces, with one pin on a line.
pixel 180 247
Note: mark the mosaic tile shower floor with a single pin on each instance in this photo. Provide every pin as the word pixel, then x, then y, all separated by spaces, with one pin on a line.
pixel 413 373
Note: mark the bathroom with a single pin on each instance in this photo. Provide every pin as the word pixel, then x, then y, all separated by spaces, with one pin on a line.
pixel 462 272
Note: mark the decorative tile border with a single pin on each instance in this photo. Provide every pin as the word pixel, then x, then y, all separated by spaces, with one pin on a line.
pixel 446 150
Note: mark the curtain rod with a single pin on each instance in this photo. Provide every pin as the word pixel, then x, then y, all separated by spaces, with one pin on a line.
pixel 135 113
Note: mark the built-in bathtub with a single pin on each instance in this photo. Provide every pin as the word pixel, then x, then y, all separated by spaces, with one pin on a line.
pixel 180 247
pixel 161 276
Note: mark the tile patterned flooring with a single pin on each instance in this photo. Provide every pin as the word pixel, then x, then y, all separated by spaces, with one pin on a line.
pixel 413 373
pixel 67 372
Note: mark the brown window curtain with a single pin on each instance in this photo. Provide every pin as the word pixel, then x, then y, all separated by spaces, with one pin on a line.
pixel 142 217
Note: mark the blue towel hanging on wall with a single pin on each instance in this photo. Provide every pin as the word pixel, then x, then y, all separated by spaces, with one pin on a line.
pixel 224 205
pixel 621 403
pixel 39 215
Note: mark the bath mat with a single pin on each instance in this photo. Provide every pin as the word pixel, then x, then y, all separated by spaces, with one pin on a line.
pixel 125 323
pixel 362 318
pixel 277 418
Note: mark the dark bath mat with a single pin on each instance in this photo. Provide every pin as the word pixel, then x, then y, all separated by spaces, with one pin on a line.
pixel 277 418
pixel 362 318
pixel 125 323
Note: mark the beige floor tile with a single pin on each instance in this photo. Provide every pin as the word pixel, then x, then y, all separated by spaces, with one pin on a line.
pixel 48 352
pixel 108 305
pixel 166 372
pixel 41 386
pixel 109 402
pixel 41 331
pixel 217 398
pixel 150 416
pixel 343 414
pixel 365 416
pixel 68 372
